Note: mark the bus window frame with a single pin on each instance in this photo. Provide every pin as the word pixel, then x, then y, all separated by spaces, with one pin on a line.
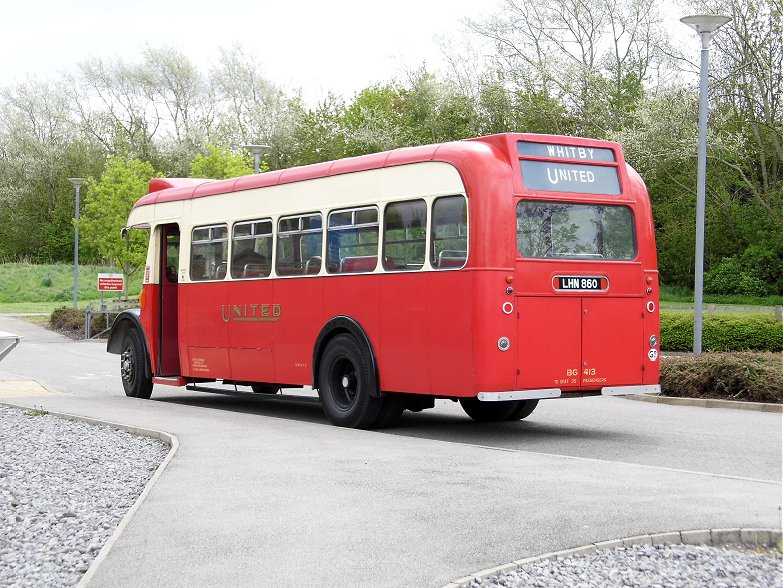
pixel 356 227
pixel 252 237
pixel 425 261
pixel 210 240
pixel 431 237
pixel 299 231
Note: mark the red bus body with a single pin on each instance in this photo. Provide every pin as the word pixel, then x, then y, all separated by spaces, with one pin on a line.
pixel 436 333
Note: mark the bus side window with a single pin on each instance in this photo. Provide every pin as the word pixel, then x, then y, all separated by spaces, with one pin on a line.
pixel 405 235
pixel 209 253
pixel 449 233
pixel 299 242
pixel 251 249
pixel 352 241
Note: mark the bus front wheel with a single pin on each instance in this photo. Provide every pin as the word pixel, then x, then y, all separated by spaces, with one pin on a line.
pixel 488 412
pixel 132 366
pixel 346 384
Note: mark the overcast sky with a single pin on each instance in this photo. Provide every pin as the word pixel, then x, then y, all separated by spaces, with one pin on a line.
pixel 338 45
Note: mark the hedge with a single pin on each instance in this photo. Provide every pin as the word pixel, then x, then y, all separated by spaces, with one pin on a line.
pixel 756 377
pixel 723 332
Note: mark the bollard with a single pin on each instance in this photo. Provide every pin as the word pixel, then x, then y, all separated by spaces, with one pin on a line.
pixel 779 314
pixel 87 322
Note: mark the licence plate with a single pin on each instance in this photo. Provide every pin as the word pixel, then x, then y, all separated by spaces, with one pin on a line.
pixel 588 283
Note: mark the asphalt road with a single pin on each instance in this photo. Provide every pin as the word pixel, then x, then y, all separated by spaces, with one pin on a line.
pixel 264 491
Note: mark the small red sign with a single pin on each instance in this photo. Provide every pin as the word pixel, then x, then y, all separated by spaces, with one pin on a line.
pixel 111 282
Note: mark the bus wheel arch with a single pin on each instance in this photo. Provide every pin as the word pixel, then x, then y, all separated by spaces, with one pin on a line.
pixel 341 325
pixel 126 321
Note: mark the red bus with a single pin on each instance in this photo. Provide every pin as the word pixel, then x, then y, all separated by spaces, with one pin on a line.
pixel 494 271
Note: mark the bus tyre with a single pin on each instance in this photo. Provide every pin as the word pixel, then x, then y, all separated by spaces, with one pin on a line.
pixel 347 386
pixel 132 366
pixel 488 412
pixel 265 388
pixel 391 411
pixel 523 410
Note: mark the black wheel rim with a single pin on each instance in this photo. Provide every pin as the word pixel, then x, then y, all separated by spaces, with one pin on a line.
pixel 344 383
pixel 127 365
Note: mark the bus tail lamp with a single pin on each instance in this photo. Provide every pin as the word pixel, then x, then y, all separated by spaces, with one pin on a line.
pixel 653 340
pixel 142 298
pixel 504 343
pixel 651 306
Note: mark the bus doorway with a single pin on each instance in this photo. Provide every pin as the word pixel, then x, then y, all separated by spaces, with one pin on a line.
pixel 168 308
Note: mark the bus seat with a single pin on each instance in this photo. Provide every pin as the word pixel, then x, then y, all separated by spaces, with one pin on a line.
pixel 365 263
pixel 220 271
pixel 451 258
pixel 313 265
pixel 254 270
pixel 388 263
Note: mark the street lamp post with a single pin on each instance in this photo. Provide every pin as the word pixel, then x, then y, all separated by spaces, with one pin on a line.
pixel 77 184
pixel 257 151
pixel 705 25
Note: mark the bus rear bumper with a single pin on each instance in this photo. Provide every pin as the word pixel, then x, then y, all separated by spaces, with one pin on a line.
pixel 558 393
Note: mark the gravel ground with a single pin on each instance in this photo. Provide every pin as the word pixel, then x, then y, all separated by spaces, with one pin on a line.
pixel 64 487
pixel 674 566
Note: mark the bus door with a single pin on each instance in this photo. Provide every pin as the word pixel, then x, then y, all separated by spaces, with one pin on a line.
pixel 168 331
pixel 581 311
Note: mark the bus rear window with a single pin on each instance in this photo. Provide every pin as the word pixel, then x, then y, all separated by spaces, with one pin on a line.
pixel 575 231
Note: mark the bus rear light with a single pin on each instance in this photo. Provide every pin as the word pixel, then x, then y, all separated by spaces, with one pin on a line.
pixel 649 280
pixel 653 340
pixel 508 308
pixel 504 343
pixel 651 306
pixel 649 291
pixel 509 279
pixel 509 290
pixel 142 298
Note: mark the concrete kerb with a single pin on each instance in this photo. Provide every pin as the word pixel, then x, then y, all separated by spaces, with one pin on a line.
pixel 173 443
pixel 717 537
pixel 708 403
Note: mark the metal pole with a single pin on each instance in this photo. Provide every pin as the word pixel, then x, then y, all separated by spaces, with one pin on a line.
pixel 76 249
pixel 701 190
pixel 257 162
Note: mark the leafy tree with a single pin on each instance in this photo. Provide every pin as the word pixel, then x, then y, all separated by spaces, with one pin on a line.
pixel 108 201
pixel 219 163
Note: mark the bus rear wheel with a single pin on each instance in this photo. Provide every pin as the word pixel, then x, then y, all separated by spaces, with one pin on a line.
pixel 347 386
pixel 132 366
pixel 488 412
pixel 523 410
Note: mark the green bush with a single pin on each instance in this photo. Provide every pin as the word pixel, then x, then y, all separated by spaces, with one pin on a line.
pixel 725 332
pixel 72 321
pixel 756 377
pixel 734 276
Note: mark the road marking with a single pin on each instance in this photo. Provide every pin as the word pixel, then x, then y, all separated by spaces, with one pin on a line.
pixel 11 389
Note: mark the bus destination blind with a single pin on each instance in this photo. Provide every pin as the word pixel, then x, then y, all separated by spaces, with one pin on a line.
pixel 570 177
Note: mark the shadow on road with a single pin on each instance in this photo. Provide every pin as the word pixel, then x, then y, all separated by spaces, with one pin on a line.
pixel 443 423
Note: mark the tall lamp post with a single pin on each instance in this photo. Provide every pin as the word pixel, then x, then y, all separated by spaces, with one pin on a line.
pixel 705 25
pixel 257 151
pixel 77 183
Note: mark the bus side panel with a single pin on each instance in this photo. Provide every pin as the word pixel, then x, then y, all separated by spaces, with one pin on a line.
pixel 207 333
pixel 450 333
pixel 403 360
pixel 252 329
pixel 355 297
pixel 300 321
pixel 494 315
pixel 149 321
